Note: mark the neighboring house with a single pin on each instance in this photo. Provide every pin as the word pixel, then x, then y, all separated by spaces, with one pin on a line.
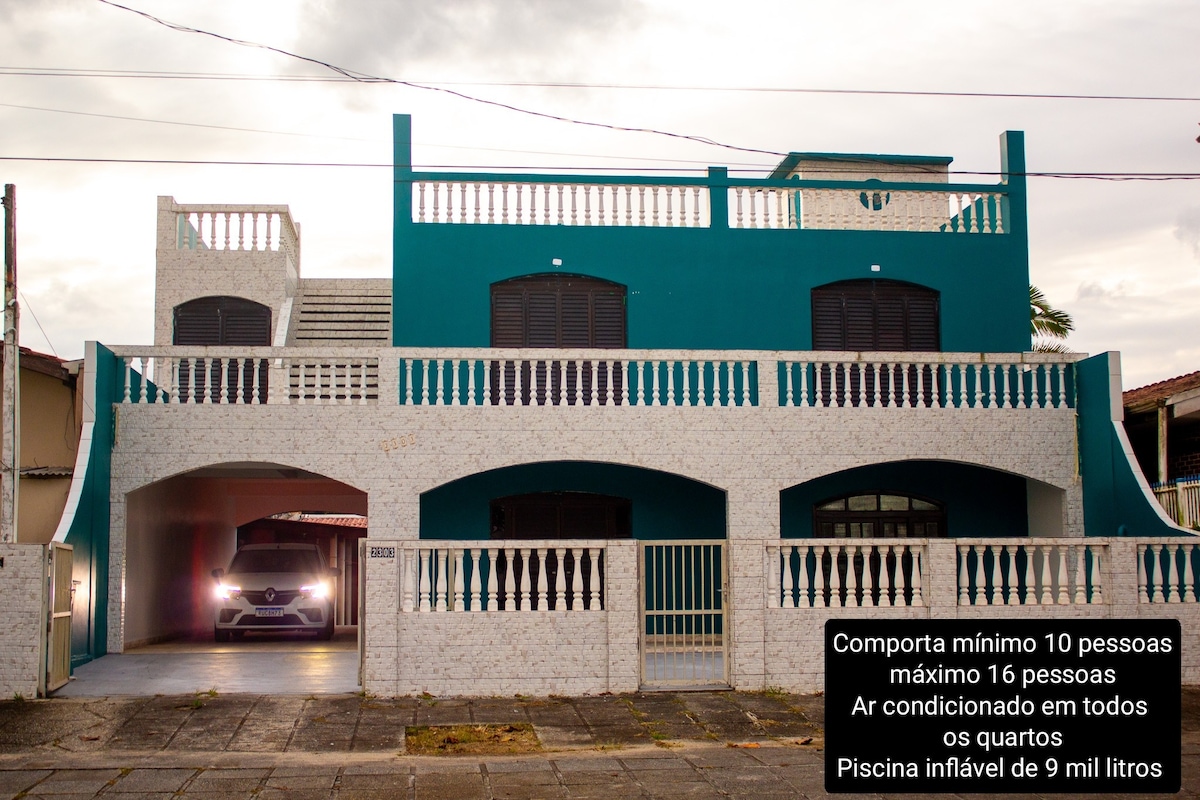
pixel 1163 422
pixel 625 431
pixel 50 422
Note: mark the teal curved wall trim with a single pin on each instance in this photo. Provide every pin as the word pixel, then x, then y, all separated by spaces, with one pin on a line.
pixel 978 501
pixel 1116 498
pixel 665 506
pixel 89 529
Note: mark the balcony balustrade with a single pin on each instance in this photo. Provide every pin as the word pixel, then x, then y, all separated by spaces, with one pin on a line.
pixel 497 576
pixel 669 378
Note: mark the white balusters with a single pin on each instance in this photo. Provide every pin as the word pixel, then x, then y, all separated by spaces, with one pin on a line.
pixel 492 578
pixel 407 568
pixel 1143 595
pixel 423 579
pixel 540 559
pixel 1171 575
pixel 526 566
pixel 512 596
pixel 441 563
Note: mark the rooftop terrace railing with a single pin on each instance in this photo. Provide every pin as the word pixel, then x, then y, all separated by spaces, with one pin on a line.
pixel 714 201
pixel 236 228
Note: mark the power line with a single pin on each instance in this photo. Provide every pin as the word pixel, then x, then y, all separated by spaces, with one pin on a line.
pixel 53 72
pixel 364 77
pixel 39 324
pixel 1101 176
pixel 177 122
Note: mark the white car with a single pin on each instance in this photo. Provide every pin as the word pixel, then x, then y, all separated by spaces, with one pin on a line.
pixel 275 587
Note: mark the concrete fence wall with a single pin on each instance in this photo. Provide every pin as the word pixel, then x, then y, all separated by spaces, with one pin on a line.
pixel 22 590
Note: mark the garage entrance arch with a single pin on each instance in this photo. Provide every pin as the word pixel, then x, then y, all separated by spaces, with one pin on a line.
pixel 179 529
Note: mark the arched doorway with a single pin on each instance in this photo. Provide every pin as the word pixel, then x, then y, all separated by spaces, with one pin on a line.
pixel 680 525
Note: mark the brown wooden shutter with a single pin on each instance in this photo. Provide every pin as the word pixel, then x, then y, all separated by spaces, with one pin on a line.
pixel 558 311
pixel 508 319
pixel 222 321
pixel 875 315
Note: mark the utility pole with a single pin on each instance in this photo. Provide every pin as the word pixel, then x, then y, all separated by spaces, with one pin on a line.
pixel 10 412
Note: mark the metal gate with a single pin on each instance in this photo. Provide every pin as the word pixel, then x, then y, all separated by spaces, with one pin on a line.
pixel 58 614
pixel 683 630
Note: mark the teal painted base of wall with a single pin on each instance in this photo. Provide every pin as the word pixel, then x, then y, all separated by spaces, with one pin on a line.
pixel 1115 501
pixel 665 506
pixel 978 501
pixel 89 531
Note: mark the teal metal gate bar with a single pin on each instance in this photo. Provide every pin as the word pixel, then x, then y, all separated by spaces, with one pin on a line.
pixel 683 631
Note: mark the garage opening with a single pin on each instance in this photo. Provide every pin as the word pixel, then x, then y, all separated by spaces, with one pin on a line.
pixel 179 530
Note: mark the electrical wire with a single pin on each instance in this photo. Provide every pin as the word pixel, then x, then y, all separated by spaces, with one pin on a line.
pixel 364 77
pixel 176 122
pixel 54 72
pixel 1100 176
pixel 29 307
pixel 358 139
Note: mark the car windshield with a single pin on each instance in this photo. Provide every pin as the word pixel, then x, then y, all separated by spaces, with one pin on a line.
pixel 276 561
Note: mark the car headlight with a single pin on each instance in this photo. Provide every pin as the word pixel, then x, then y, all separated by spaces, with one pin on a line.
pixel 317 591
pixel 226 592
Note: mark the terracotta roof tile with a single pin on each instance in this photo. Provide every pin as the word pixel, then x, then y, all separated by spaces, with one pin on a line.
pixel 1160 391
pixel 343 522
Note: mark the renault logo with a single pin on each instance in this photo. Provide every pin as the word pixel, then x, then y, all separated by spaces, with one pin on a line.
pixel 269 594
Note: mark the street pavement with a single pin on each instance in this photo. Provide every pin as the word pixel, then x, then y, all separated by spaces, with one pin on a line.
pixel 213 745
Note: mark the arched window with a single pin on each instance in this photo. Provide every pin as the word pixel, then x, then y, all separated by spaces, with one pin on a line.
pixel 879 515
pixel 222 320
pixel 875 315
pixel 558 311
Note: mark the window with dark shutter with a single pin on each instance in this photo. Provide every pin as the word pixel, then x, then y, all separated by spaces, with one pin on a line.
pixel 570 311
pixel 875 315
pixel 558 311
pixel 222 321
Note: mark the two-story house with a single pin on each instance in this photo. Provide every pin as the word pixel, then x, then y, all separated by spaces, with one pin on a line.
pixel 628 431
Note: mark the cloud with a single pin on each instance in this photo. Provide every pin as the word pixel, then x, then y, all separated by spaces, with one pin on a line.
pixel 1187 229
pixel 383 38
pixel 1095 290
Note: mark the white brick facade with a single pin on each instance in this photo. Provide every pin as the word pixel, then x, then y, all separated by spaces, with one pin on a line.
pixel 22 590
pixel 751 453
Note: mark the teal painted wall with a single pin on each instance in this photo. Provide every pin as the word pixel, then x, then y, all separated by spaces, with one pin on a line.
pixel 89 531
pixel 664 506
pixel 1113 502
pixel 978 501
pixel 707 288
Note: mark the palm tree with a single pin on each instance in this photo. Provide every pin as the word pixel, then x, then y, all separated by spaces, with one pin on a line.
pixel 1046 321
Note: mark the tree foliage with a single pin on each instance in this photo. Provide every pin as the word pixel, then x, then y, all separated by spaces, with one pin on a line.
pixel 1049 325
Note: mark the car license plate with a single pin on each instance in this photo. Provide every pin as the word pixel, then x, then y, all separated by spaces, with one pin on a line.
pixel 275 611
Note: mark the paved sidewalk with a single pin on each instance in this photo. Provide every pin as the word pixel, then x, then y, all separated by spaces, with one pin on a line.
pixel 661 745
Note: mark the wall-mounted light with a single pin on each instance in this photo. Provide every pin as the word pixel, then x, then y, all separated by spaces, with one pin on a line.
pixel 874 268
pixel 556 262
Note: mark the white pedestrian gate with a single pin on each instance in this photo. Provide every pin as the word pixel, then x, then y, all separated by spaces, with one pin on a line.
pixel 683 631
pixel 58 614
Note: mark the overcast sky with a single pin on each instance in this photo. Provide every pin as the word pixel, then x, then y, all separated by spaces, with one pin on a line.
pixel 1122 257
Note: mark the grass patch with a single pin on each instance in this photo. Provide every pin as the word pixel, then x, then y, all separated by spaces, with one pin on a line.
pixel 444 740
